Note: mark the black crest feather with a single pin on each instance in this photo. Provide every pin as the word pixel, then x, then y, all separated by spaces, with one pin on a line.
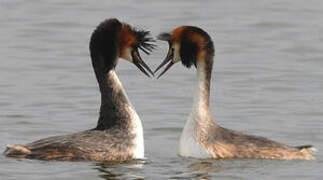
pixel 164 36
pixel 144 39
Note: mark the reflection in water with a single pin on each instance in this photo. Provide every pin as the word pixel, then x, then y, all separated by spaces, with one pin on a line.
pixel 200 169
pixel 197 169
pixel 216 169
pixel 116 170
pixel 205 167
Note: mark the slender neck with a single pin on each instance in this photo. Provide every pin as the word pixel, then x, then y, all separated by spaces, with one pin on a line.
pixel 116 110
pixel 201 103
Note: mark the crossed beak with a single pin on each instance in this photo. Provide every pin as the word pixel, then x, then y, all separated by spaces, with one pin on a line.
pixel 140 63
pixel 169 58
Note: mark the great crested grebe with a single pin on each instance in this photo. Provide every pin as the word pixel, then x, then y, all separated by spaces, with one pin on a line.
pixel 202 137
pixel 118 135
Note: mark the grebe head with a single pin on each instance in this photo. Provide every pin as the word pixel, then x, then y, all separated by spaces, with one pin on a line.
pixel 188 44
pixel 113 39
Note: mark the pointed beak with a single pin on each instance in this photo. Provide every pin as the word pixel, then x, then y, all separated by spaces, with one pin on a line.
pixel 169 58
pixel 140 63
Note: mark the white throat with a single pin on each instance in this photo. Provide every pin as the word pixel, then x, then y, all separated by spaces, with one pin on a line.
pixel 201 98
pixel 190 146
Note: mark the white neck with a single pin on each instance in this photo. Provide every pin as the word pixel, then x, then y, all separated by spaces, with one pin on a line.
pixel 199 118
pixel 202 92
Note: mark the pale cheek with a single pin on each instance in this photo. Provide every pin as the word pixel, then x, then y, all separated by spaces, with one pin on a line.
pixel 177 56
pixel 126 55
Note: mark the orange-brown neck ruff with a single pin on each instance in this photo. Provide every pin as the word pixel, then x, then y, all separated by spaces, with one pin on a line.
pixel 188 33
pixel 126 38
pixel 194 45
pixel 176 34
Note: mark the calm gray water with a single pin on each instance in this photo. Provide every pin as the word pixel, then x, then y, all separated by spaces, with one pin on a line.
pixel 267 80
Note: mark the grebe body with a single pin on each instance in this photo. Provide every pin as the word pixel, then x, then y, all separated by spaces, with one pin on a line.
pixel 118 135
pixel 202 137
